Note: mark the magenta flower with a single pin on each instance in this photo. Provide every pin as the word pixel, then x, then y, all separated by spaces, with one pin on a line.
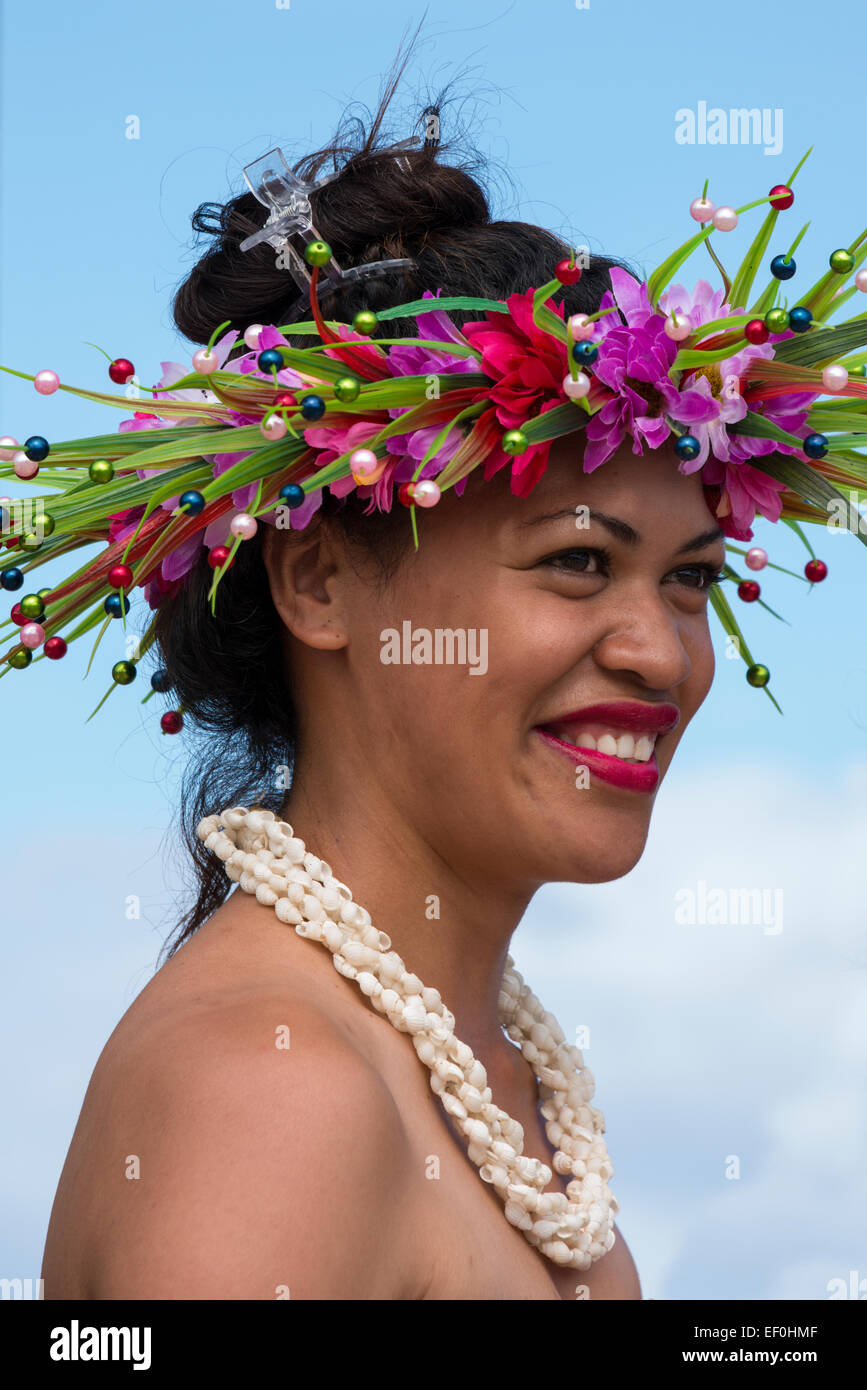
pixel 743 492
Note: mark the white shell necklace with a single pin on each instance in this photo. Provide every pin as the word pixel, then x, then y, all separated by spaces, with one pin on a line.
pixel 266 858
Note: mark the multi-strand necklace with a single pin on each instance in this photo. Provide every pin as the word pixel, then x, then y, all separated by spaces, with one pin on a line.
pixel 265 857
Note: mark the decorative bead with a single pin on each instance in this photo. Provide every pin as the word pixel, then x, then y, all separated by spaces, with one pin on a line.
pixel 55 647
pixel 800 319
pixel 123 672
pixel 161 681
pixel 244 526
pixel 365 466
pixel 567 272
pixel 756 331
pixel 816 571
pixel 32 606
pixel 581 329
pixel 702 209
pixel 101 471
pixel 677 327
pixel 514 442
pixel 758 675
pixel 860 284
pixel 781 197
pixel 43 522
pixel 687 447
pixel 292 495
pixel 268 360
pixel 32 635
pixel 8 447
pixel 725 219
pixel 816 446
pixel 426 493
pixel 17 616
pixel 285 401
pixel 11 578
pixel 46 382
pixel 273 427
pixel 120 370
pixel 577 387
pixel 205 361
pixel 25 468
pixel 191 502
pixel 312 407
pixel 756 558
pixel 172 722
pixel 120 577
pixel 20 657
pixel 585 353
pixel 835 378
pixel 116 605
pixel 748 590
pixel 347 388
pixel 365 322
pixel 777 320
pixel 36 447
pixel 404 494
pixel 251 336
pixel 783 268
pixel 218 556
pixel 841 261
pixel 317 253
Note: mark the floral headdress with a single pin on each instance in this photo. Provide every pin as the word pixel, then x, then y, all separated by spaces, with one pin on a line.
pixel 768 402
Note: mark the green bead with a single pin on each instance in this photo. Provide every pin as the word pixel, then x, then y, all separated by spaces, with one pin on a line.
pixel 514 442
pixel 43 593
pixel 101 471
pixel 758 675
pixel 777 320
pixel 841 261
pixel 32 607
pixel 20 657
pixel 346 388
pixel 123 672
pixel 31 541
pixel 365 322
pixel 44 523
pixel 317 253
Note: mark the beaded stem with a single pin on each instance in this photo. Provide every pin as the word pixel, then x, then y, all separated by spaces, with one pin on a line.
pixel 265 857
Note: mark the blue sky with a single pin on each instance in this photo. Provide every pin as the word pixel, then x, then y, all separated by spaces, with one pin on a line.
pixel 698 1029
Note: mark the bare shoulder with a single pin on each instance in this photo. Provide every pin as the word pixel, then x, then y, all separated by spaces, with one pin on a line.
pixel 238 1147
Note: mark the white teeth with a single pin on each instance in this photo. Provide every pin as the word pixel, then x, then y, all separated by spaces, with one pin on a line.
pixel 585 741
pixel 624 746
pixel 607 743
pixel 644 747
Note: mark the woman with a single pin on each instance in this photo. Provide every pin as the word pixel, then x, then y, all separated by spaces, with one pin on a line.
pixel 256 1127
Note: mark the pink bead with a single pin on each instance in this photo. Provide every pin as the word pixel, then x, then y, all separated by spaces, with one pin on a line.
pixel 861 280
pixel 835 378
pixel 678 327
pixel 725 219
pixel 701 209
pixel 273 427
pixel 32 635
pixel 46 382
pixel 365 466
pixel 756 558
pixel 251 336
pixel 204 361
pixel 581 329
pixel 426 493
pixel 576 390
pixel 25 468
pixel 244 526
pixel 8 445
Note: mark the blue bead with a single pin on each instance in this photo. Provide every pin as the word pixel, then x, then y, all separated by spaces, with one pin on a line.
pixel 292 495
pixel 800 319
pixel 816 446
pixel 161 681
pixel 782 268
pixel 312 407
pixel 36 448
pixel 12 578
pixel 192 502
pixel 113 606
pixel 585 353
pixel 687 447
pixel 268 359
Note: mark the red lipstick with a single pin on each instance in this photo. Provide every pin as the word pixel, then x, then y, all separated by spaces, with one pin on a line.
pixel 627 716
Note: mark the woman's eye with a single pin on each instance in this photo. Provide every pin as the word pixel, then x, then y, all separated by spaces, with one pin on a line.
pixel 579 561
pixel 697 576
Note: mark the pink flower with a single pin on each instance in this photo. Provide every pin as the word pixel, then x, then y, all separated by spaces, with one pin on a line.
pixel 743 491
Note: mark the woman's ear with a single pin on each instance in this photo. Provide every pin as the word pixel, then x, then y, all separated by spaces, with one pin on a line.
pixel 305 574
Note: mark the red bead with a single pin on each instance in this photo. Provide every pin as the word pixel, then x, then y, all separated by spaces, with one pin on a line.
pixel 18 617
pixel 12 542
pixel 404 494
pixel 172 722
pixel 781 197
pixel 567 273
pixel 54 648
pixel 120 576
pixel 749 591
pixel 218 557
pixel 816 570
pixel 285 398
pixel 120 370
pixel 756 331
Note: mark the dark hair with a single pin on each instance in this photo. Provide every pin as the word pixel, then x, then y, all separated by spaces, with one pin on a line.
pixel 229 671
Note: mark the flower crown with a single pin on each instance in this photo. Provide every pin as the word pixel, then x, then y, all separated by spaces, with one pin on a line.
pixel 768 402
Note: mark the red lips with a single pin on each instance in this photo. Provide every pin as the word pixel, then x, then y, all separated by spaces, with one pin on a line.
pixel 632 716
pixel 628 715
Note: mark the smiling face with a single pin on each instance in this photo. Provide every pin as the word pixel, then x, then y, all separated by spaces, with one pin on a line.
pixel 591 597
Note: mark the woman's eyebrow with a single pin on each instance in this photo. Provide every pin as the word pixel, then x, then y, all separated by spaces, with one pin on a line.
pixel 623 531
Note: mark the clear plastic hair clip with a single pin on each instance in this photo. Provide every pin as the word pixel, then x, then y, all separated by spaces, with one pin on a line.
pixel 289 225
